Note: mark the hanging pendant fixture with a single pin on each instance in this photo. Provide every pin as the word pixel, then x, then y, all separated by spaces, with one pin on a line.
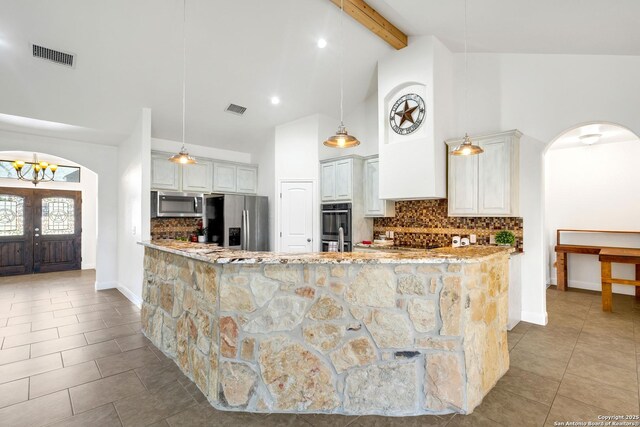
pixel 183 156
pixel 36 171
pixel 341 139
pixel 467 148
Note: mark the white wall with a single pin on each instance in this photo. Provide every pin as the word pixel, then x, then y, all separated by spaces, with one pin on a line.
pixel 133 206
pixel 101 159
pixel 200 150
pixel 88 186
pixel 593 188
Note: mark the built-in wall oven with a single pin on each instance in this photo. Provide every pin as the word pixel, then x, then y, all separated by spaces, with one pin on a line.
pixel 334 216
pixel 172 205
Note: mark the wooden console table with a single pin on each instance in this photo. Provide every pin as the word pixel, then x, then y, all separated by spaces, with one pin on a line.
pixel 606 254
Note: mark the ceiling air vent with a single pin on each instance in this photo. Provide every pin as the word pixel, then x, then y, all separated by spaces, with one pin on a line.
pixel 62 58
pixel 235 109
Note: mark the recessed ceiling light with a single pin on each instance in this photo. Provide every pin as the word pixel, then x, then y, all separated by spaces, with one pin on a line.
pixel 322 43
pixel 275 100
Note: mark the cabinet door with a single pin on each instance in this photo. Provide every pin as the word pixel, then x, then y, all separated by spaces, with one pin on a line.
pixel 373 206
pixel 344 185
pixel 494 172
pixel 224 178
pixel 197 178
pixel 328 177
pixel 463 185
pixel 247 179
pixel 164 174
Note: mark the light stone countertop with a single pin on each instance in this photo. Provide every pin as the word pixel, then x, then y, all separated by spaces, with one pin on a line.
pixel 219 255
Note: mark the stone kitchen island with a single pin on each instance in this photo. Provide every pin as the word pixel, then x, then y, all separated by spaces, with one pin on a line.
pixel 422 332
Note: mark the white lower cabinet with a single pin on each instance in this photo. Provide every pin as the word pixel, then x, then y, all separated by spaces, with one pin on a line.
pixel 373 205
pixel 197 178
pixel 486 184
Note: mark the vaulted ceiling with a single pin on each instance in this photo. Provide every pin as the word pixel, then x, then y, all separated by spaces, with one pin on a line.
pixel 129 56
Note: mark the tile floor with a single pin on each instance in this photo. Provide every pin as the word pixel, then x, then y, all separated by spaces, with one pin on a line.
pixel 71 356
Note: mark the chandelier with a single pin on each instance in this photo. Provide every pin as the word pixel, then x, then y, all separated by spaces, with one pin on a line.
pixel 35 172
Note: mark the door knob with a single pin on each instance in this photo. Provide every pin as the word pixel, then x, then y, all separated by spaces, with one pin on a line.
pixel 309 240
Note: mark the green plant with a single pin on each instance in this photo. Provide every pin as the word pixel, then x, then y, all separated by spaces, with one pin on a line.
pixel 505 237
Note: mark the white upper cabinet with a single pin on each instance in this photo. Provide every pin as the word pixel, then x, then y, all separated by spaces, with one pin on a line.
pixel 224 178
pixel 165 175
pixel 247 179
pixel 337 180
pixel 486 184
pixel 373 205
pixel 197 178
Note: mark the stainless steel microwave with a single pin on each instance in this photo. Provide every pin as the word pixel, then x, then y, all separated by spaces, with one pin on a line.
pixel 166 204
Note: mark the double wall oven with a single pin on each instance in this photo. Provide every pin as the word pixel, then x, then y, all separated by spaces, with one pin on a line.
pixel 334 216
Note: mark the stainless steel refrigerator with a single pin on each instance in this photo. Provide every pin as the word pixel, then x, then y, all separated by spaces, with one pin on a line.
pixel 238 222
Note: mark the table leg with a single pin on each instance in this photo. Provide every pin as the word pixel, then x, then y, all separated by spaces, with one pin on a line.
pixel 606 285
pixel 561 268
pixel 638 278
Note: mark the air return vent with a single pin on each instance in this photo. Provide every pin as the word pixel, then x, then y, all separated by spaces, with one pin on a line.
pixel 235 109
pixel 56 56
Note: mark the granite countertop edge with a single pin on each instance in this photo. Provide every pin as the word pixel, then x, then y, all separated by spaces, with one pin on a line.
pixel 219 255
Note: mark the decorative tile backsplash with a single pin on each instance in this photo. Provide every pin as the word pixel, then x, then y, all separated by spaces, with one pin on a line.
pixel 419 223
pixel 172 228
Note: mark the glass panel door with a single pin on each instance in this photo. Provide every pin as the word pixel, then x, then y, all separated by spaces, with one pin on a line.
pixel 11 215
pixel 58 216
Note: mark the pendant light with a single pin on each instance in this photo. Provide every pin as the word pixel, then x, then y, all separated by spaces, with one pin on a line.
pixel 341 139
pixel 183 156
pixel 467 148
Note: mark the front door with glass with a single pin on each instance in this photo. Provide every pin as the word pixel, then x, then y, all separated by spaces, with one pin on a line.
pixel 40 231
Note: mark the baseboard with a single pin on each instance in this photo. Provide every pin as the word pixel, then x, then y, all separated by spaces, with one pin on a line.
pixel 131 296
pixel 597 286
pixel 101 286
pixel 88 267
pixel 535 317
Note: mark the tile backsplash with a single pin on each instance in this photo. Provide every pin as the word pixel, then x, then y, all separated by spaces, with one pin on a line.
pixel 171 228
pixel 419 223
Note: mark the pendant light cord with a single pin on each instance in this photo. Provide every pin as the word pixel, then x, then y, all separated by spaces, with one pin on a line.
pixel 466 71
pixel 341 62
pixel 184 69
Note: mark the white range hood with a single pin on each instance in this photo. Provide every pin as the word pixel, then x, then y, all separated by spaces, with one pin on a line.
pixel 413 166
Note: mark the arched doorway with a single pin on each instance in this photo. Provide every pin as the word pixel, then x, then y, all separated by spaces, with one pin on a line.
pixel 33 209
pixel 592 181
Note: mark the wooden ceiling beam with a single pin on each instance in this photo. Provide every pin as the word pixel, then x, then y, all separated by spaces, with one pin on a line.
pixel 374 22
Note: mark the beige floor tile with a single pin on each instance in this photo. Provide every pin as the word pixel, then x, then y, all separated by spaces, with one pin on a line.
pixel 108 334
pixel 14 354
pixel 604 396
pixel 543 366
pixel 3 322
pixel 106 390
pixel 604 341
pixel 473 420
pixel 566 409
pixel 37 412
pixel 60 344
pixel 83 309
pixel 90 300
pixel 377 421
pixel 610 356
pixel 92 325
pixel 63 378
pixel 52 307
pixel 159 374
pixel 14 392
pixel 29 318
pixel 546 344
pixel 53 323
pixel 529 385
pixel 198 416
pixel 125 361
pixel 583 365
pixel 26 368
pixel 511 410
pixel 15 330
pixel 513 338
pixel 103 416
pixel 132 342
pixel 30 338
pixel 151 407
pixel 90 352
pixel 96 315
pixel 122 320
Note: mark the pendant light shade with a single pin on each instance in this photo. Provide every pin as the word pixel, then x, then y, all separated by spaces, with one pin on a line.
pixel 341 139
pixel 183 156
pixel 467 148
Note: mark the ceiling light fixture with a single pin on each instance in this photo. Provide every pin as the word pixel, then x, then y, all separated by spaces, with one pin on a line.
pixel 275 100
pixel 183 156
pixel 590 139
pixel 322 43
pixel 467 148
pixel 34 172
pixel 341 139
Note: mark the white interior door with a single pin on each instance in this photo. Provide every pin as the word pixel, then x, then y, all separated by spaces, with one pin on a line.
pixel 296 216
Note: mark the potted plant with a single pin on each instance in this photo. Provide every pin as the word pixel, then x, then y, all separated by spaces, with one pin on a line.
pixel 201 232
pixel 505 238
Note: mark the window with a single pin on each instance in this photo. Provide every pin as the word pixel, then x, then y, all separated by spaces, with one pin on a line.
pixel 11 215
pixel 58 216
